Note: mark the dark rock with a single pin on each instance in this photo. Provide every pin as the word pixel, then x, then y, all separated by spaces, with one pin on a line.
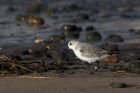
pixel 31 20
pixel 55 55
pixel 114 38
pixel 71 31
pixel 137 32
pixel 70 8
pixel 131 30
pixel 93 36
pixel 51 12
pixel 71 72
pixel 74 35
pixel 70 28
pixel 34 21
pixel 82 16
pixel 118 85
pixel 21 17
pixel 11 9
pixel 27 52
pixel 38 53
pixel 124 9
pixel 133 64
pixel 37 67
pixel 16 57
pixel 68 55
pixel 89 28
pixel 57 38
pixel 35 7
pixel 103 14
pixel 110 47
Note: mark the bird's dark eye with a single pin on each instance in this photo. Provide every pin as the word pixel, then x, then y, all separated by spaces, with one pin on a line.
pixel 70 43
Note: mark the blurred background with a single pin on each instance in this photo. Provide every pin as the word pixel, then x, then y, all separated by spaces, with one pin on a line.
pixel 98 21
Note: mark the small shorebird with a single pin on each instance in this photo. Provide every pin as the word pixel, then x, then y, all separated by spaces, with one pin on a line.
pixel 87 52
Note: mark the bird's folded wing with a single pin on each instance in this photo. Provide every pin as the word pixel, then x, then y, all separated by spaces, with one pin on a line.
pixel 92 51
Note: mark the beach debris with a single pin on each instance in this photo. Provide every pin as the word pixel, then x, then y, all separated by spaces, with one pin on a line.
pixel 118 85
pixel 9 66
pixel 12 66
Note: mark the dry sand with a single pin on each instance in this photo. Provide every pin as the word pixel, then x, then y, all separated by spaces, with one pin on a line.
pixel 67 85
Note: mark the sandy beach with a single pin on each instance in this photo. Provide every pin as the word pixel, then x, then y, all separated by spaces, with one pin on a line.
pixel 34 37
pixel 67 85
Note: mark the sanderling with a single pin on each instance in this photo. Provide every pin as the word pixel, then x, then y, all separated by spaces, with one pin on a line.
pixel 87 52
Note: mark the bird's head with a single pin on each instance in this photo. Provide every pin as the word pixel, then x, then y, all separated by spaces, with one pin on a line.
pixel 72 43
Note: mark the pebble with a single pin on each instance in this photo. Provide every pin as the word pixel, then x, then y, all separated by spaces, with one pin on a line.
pixel 114 38
pixel 118 85
pixel 133 64
pixel 93 36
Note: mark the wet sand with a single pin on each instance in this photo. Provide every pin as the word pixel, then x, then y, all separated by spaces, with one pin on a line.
pixel 67 85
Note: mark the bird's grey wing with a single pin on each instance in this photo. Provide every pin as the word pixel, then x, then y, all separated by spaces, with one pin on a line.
pixel 90 51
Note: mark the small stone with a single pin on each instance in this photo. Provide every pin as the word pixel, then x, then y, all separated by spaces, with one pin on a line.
pixel 103 14
pixel 131 30
pixel 71 8
pixel 71 72
pixel 55 55
pixel 93 36
pixel 89 28
pixel 124 9
pixel 34 21
pixel 137 32
pixel 133 64
pixel 110 47
pixel 82 16
pixel 70 28
pixel 74 35
pixel 118 85
pixel 36 7
pixel 114 38
pixel 27 52
pixel 57 38
pixel 71 31
pixel 38 40
pixel 20 17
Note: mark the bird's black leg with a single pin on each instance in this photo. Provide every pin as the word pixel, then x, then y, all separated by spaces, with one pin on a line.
pixel 97 66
